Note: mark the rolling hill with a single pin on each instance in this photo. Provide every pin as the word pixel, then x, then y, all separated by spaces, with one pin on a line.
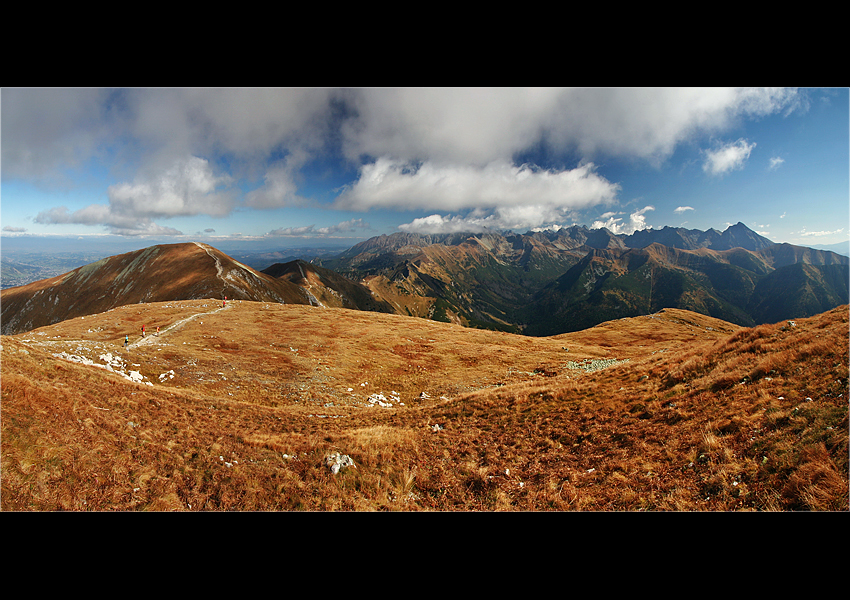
pixel 326 288
pixel 158 273
pixel 250 406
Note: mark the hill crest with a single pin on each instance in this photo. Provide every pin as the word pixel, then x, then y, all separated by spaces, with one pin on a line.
pixel 240 408
pixel 157 273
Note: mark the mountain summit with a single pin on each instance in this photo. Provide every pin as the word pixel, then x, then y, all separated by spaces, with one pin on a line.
pixel 741 236
pixel 158 273
pixel 549 282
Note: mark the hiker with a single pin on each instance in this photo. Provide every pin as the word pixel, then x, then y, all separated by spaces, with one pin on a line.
pixel 224 302
pixel 157 330
pixel 143 331
pixel 126 340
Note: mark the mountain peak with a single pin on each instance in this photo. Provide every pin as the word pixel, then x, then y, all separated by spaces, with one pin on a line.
pixel 159 273
pixel 741 236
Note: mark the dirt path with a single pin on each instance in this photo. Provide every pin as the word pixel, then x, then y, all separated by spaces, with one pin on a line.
pixel 152 338
pixel 219 269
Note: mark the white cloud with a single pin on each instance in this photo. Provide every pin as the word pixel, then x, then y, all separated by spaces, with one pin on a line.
pixel 496 196
pixel 454 224
pixel 516 218
pixel 479 125
pixel 345 226
pixel 727 157
pixel 279 187
pixel 11 229
pixel 46 128
pixel 446 150
pixel 188 187
pixel 292 231
pixel 49 130
pixel 98 214
pixel 820 233
pixel 279 190
pixel 775 163
pixel 637 222
pixel 144 228
pixel 247 125
pixel 501 186
pixel 681 209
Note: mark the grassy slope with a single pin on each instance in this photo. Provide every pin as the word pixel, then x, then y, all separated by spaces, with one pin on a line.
pixel 704 415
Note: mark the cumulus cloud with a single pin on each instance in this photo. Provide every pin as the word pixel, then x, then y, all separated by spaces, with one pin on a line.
pixel 344 227
pixel 480 125
pixel 681 209
pixel 279 187
pixel 154 139
pixel 520 218
pixel 637 222
pixel 820 233
pixel 97 214
pixel 144 229
pixel 727 157
pixel 249 126
pixel 279 190
pixel 11 229
pixel 45 128
pixel 498 195
pixel 441 224
pixel 389 183
pixel 49 130
pixel 188 187
pixel 447 150
pixel 292 231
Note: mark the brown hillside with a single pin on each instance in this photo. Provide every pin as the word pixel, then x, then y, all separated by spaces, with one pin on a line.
pixel 239 407
pixel 327 288
pixel 155 274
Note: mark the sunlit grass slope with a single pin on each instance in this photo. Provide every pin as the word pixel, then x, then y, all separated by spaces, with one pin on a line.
pixel 238 407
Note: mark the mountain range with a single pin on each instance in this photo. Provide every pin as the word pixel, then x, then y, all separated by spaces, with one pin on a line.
pixel 537 283
pixel 545 283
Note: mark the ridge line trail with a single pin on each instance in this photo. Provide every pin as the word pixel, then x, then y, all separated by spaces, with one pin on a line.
pixel 218 268
pixel 149 339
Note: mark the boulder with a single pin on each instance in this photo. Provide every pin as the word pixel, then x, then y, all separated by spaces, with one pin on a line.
pixel 336 461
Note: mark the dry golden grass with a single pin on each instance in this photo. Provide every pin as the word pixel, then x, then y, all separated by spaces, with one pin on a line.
pixel 703 415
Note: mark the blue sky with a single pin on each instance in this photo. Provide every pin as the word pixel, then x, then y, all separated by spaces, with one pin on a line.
pixel 290 167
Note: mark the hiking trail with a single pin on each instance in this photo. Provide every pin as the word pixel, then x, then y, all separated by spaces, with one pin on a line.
pixel 218 268
pixel 151 338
